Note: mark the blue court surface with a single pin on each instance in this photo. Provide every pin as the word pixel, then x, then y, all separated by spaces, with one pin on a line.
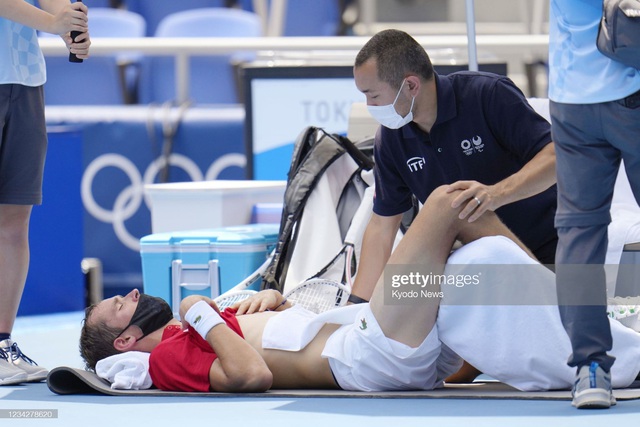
pixel 52 340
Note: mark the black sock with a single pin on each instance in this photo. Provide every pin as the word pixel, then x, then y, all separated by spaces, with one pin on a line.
pixel 4 336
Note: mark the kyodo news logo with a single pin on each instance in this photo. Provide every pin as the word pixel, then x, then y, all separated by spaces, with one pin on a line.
pixel 130 199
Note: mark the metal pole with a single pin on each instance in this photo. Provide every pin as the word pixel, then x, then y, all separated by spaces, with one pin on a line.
pixel 182 77
pixel 260 7
pixel 538 16
pixel 368 14
pixel 94 288
pixel 277 17
pixel 471 36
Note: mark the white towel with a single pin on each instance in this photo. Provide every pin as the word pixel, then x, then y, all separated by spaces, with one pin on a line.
pixel 126 371
pixel 293 329
pixel 524 346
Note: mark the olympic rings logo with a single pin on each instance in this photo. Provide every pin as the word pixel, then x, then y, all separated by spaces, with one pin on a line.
pixel 130 198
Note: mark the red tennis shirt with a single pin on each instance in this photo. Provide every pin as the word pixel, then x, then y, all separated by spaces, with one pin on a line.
pixel 182 360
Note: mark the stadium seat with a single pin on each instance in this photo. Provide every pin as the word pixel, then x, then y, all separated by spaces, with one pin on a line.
pixel 307 17
pixel 155 11
pixel 110 22
pixel 212 78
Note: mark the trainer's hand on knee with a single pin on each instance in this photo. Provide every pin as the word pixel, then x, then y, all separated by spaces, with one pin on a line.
pixel 474 197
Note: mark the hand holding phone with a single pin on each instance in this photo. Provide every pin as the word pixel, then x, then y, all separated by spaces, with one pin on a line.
pixel 72 56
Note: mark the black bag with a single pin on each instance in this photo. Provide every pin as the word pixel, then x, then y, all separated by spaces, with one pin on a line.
pixel 315 150
pixel 619 32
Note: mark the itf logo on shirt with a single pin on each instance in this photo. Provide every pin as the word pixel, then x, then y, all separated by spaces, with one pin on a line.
pixel 475 145
pixel 416 163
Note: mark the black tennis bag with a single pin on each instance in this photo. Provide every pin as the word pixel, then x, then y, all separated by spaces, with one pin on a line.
pixel 315 153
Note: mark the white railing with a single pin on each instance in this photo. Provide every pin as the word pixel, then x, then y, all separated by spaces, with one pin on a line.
pixel 183 48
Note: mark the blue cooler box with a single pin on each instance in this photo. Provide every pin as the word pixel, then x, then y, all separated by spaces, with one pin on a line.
pixel 204 262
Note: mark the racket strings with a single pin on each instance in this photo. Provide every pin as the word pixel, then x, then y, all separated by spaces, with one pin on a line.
pixel 228 299
pixel 318 295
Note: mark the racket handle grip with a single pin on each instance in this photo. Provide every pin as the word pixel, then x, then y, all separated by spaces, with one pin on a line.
pixel 72 56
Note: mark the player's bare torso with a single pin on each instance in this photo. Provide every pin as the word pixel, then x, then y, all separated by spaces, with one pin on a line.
pixel 291 369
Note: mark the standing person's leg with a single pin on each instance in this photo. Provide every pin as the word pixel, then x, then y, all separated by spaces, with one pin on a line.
pixel 22 155
pixel 14 261
pixel 587 167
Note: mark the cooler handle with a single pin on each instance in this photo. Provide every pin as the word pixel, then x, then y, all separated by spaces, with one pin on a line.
pixel 192 277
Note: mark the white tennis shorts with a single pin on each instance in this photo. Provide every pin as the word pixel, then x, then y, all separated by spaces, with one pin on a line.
pixel 363 359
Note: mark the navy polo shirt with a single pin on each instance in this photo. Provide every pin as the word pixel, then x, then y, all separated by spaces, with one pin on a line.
pixel 485 131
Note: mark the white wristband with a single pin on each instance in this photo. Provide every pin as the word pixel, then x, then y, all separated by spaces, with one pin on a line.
pixel 202 317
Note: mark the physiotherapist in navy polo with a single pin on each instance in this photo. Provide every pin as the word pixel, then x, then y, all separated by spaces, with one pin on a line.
pixel 474 131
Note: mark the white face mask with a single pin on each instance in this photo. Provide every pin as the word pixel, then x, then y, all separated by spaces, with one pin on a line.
pixel 387 115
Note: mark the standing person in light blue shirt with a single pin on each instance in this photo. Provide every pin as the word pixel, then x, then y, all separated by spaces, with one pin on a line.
pixel 23 146
pixel 595 112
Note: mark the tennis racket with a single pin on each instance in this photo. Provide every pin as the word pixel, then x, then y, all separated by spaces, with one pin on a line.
pixel 231 297
pixel 319 295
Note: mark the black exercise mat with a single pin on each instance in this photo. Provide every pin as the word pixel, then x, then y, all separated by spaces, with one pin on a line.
pixel 65 380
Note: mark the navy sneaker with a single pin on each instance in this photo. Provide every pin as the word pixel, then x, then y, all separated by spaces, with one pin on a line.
pixel 592 389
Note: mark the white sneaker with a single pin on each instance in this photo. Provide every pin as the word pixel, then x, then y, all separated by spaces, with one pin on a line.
pixel 592 389
pixel 9 373
pixel 20 360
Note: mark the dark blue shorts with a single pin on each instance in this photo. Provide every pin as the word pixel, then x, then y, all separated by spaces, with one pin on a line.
pixel 23 146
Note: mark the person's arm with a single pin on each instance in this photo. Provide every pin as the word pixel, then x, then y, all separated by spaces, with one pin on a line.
pixel 238 367
pixel 59 8
pixel 535 177
pixel 56 16
pixel 377 244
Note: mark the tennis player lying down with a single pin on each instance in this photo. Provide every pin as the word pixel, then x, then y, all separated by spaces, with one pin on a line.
pixel 267 343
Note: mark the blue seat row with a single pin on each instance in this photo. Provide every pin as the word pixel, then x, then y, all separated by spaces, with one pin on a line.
pixel 113 80
pixel 125 79
pixel 303 17
pixel 212 78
